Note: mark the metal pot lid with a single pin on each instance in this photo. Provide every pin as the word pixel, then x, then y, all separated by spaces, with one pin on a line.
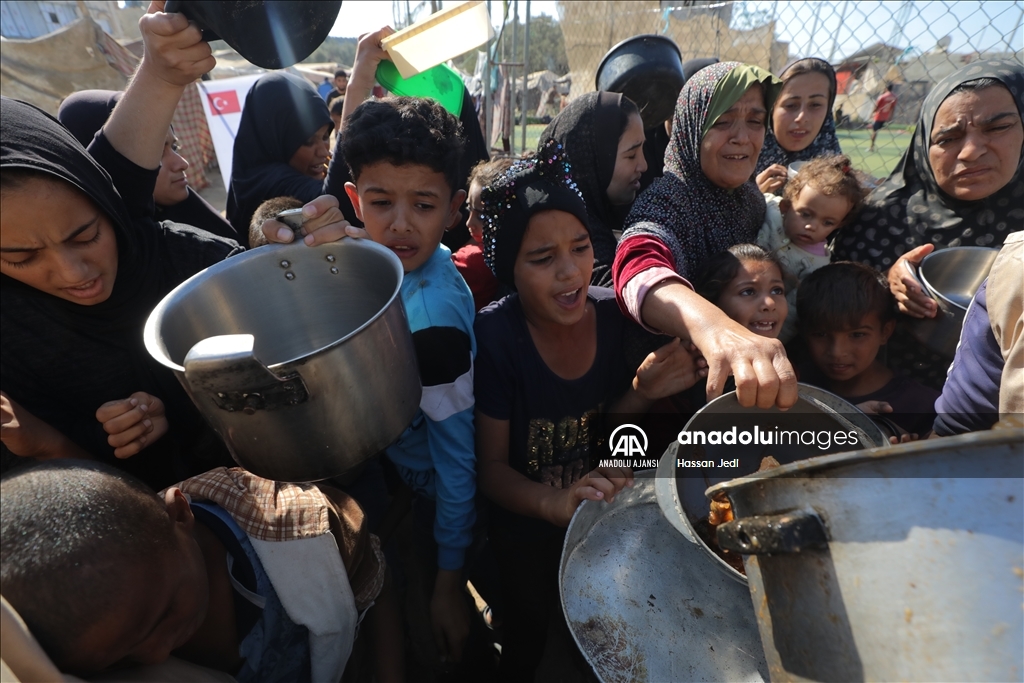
pixel 269 33
pixel 643 604
pixel 652 37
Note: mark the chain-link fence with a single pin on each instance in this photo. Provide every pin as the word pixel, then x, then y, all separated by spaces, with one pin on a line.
pixel 910 45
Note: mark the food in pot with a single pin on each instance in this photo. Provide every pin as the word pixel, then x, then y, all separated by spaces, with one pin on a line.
pixel 720 513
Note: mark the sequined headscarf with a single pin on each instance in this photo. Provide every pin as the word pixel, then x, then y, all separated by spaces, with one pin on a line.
pixel 540 183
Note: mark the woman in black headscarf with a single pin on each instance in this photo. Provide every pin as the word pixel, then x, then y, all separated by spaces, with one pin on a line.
pixel 603 135
pixel 84 113
pixel 282 149
pixel 81 270
pixel 931 197
pixel 961 183
pixel 801 126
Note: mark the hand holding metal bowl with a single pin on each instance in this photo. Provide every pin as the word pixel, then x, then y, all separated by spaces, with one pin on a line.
pixel 951 277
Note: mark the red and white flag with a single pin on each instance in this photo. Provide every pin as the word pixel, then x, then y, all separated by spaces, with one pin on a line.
pixel 224 102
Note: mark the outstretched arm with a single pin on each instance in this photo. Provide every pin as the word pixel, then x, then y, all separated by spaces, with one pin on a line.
pixel 364 71
pixel 764 375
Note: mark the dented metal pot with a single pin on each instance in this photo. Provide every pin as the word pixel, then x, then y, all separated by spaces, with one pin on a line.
pixel 902 563
pixel 299 357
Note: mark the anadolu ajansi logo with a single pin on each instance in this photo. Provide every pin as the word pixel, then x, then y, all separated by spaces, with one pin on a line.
pixel 628 441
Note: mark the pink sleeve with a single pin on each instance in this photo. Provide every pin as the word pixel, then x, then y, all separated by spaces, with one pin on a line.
pixel 641 262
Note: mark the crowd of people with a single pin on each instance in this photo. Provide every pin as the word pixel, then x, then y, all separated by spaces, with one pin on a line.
pixel 576 293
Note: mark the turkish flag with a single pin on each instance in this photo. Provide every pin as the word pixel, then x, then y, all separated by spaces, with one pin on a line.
pixel 225 102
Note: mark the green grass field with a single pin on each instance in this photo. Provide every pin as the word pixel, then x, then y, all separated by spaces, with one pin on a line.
pixel 889 147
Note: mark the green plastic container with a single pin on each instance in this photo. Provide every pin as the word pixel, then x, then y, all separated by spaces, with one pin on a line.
pixel 441 83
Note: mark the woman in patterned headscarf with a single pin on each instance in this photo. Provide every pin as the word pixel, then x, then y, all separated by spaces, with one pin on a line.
pixel 802 127
pixel 961 183
pixel 705 203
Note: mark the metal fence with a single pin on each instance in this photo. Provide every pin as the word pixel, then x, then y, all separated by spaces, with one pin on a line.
pixel 911 45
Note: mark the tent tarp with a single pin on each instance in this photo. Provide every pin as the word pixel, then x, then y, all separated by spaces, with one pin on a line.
pixel 79 56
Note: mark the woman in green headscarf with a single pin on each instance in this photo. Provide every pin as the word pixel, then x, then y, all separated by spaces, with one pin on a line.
pixel 705 203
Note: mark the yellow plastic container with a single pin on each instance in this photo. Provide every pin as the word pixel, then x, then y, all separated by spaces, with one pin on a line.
pixel 438 38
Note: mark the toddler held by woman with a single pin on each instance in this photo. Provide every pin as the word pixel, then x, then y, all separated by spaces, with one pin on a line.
pixel 825 193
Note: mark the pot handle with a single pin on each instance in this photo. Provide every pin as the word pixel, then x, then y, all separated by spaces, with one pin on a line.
pixel 225 370
pixel 790 532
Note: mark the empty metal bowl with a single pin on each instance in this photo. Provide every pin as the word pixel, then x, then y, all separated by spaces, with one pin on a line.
pixel 951 277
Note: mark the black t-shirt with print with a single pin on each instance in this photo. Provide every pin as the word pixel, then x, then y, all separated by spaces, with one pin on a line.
pixel 553 428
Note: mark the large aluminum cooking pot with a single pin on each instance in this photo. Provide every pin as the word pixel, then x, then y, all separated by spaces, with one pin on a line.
pixel 299 357
pixel 951 277
pixel 904 563
pixel 680 490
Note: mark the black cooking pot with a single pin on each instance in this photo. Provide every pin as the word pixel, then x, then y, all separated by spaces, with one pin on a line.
pixel 270 33
pixel 647 69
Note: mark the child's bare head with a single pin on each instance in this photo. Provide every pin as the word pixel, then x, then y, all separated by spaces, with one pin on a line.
pixel 846 314
pixel 837 296
pixel 404 131
pixel 486 172
pixel 99 567
pixel 265 212
pixel 404 154
pixel 482 175
pixel 825 194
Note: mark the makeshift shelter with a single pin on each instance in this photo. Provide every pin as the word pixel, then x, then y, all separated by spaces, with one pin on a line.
pixel 81 56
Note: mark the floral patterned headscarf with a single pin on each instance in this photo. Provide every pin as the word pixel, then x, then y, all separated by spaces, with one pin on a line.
pixel 694 217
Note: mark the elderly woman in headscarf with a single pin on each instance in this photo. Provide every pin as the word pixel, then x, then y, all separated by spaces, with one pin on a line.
pixel 282 149
pixel 801 126
pixel 84 113
pixel 960 183
pixel 706 202
pixel 83 264
pixel 603 135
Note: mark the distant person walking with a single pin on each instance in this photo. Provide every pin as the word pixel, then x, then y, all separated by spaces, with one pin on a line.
pixel 884 107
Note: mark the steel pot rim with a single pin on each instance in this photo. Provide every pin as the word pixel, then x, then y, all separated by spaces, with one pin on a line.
pixel 935 293
pixel 151 332
pixel 826 463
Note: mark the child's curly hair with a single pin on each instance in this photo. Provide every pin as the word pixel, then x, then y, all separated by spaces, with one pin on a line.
pixel 831 175
pixel 402 131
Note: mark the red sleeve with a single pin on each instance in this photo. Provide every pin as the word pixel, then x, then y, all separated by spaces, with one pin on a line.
pixel 635 255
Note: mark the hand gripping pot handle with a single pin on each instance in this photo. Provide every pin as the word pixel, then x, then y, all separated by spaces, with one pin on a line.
pixel 790 532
